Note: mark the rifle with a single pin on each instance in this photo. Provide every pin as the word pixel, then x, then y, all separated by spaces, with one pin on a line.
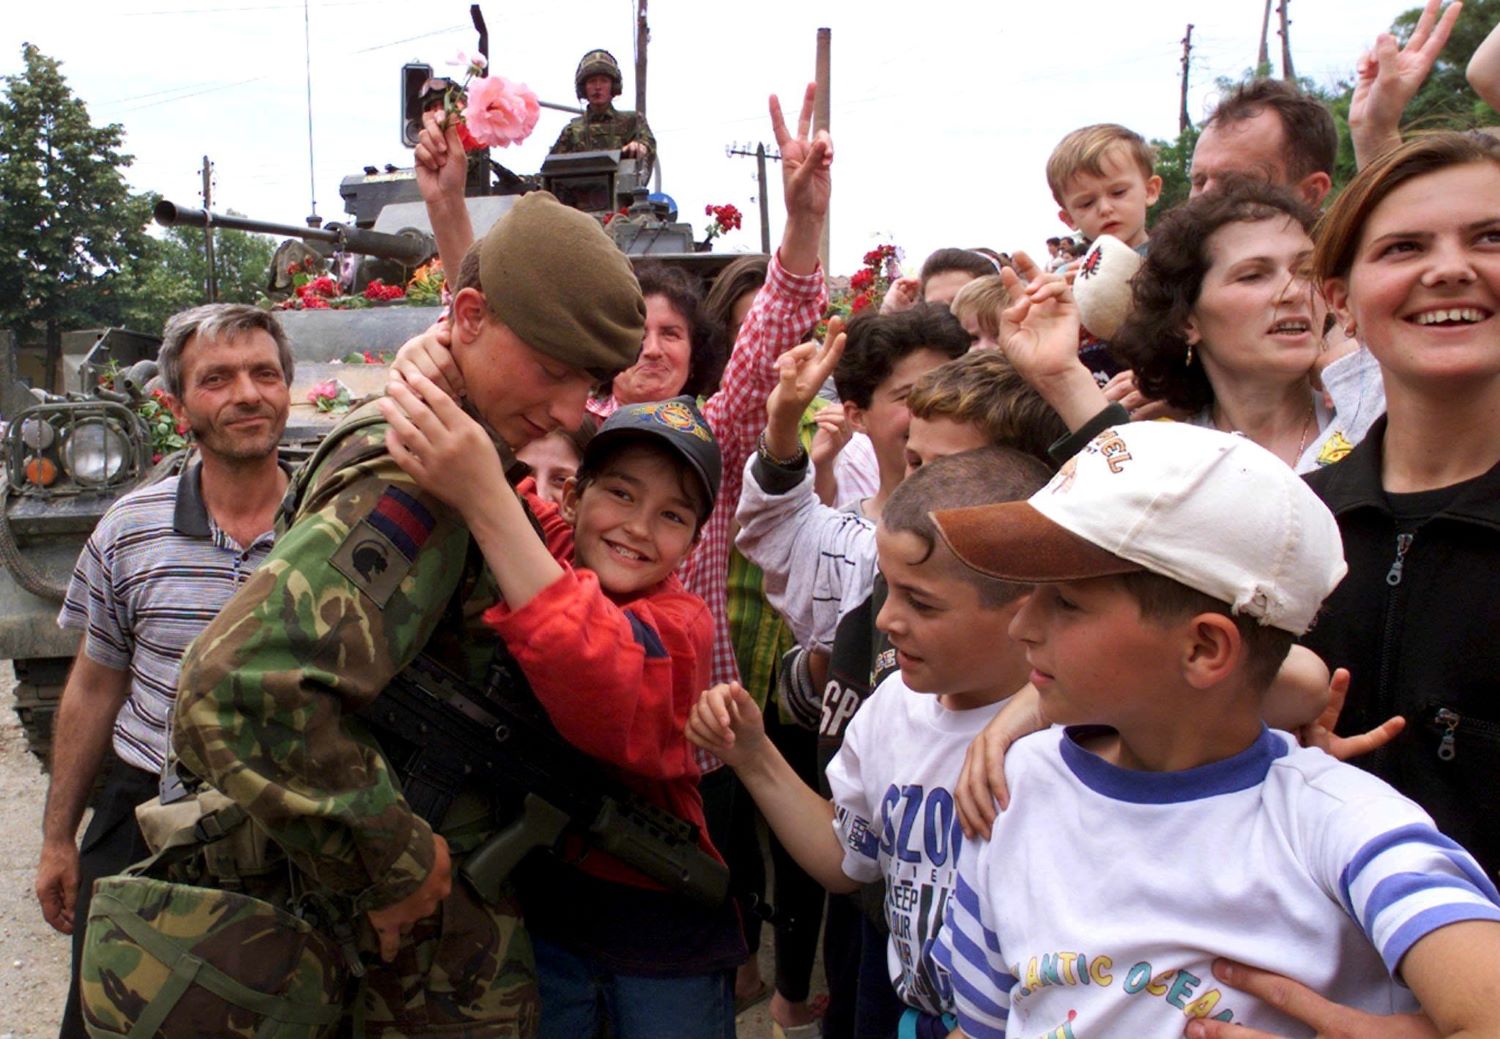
pixel 456 733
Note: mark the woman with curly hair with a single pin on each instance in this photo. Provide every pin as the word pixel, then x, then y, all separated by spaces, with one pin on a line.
pixel 1227 325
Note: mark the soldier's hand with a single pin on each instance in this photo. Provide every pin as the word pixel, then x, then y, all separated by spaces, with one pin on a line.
pixel 441 165
pixel 396 920
pixel 57 883
pixel 633 150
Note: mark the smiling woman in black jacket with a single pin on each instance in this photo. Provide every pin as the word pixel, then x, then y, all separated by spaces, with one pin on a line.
pixel 1410 259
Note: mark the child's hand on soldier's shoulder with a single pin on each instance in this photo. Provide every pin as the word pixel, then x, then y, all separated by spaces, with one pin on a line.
pixel 726 722
pixel 436 443
pixel 430 353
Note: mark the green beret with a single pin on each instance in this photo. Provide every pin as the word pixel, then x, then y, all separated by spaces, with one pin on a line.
pixel 555 279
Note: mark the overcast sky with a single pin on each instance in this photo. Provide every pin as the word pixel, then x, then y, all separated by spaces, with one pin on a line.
pixel 943 111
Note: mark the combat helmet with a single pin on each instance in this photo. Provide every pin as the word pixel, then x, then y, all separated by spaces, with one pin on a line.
pixel 598 63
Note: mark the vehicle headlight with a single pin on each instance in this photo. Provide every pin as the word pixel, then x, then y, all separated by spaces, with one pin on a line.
pixel 95 452
pixel 37 434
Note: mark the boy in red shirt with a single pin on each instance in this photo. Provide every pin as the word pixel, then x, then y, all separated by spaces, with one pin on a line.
pixel 616 652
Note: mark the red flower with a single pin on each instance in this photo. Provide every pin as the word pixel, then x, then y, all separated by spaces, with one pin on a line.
pixel 860 302
pixel 315 302
pixel 861 279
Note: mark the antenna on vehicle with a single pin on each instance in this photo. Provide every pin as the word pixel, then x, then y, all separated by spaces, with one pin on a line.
pixel 313 220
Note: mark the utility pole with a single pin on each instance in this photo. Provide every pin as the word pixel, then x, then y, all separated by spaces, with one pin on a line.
pixel 1183 122
pixel 1286 46
pixel 208 230
pixel 642 38
pixel 1263 56
pixel 820 122
pixel 761 155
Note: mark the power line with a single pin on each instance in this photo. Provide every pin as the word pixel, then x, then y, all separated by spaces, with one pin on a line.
pixel 253 79
pixel 173 12
pixel 408 39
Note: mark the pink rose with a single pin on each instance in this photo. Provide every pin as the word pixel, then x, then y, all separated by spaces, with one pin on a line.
pixel 500 112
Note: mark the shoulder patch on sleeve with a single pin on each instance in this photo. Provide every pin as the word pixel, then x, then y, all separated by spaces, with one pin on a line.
pixel 380 549
pixel 404 520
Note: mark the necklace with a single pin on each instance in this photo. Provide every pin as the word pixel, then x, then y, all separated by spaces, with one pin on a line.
pixel 1306 429
pixel 1221 424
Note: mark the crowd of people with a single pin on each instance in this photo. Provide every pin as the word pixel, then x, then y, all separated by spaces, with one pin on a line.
pixel 1093 677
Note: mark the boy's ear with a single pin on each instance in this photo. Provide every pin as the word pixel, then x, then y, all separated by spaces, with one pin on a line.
pixel 856 416
pixel 1062 214
pixel 568 507
pixel 1213 651
pixel 1153 191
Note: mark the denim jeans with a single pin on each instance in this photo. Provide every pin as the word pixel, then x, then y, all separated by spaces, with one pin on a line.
pixel 577 993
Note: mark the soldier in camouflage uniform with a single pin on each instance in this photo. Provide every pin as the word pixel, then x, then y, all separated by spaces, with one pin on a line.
pixel 369 572
pixel 603 126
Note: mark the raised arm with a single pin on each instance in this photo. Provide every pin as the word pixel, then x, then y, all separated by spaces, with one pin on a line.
pixel 1388 76
pixel 442 169
pixel 726 723
pixel 1484 69
pixel 1039 335
pixel 809 552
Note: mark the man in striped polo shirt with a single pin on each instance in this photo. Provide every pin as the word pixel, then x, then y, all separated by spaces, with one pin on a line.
pixel 158 567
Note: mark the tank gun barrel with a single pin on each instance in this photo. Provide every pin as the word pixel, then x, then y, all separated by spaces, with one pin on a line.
pixel 410 248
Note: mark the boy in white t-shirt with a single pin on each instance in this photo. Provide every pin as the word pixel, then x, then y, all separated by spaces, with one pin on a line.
pixel 892 812
pixel 1168 827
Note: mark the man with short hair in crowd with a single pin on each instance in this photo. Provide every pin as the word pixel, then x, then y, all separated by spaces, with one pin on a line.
pixel 158 567
pixel 1271 130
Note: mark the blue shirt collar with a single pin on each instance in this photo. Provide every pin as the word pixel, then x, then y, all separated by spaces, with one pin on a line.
pixel 1244 770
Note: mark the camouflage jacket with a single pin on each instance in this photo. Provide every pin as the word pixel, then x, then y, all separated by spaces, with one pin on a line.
pixel 608 129
pixel 360 579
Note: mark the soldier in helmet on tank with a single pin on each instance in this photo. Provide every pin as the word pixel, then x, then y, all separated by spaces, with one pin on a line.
pixel 602 126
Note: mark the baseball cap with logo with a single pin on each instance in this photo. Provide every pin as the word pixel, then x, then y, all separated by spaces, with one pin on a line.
pixel 678 423
pixel 1210 510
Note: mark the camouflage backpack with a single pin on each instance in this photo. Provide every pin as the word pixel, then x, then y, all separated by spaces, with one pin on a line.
pixel 183 962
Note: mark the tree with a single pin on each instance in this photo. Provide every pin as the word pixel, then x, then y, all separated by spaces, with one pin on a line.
pixel 68 222
pixel 1174 162
pixel 171 274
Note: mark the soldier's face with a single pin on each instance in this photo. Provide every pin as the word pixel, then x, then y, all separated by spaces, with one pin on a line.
pixel 522 393
pixel 597 89
pixel 234 395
